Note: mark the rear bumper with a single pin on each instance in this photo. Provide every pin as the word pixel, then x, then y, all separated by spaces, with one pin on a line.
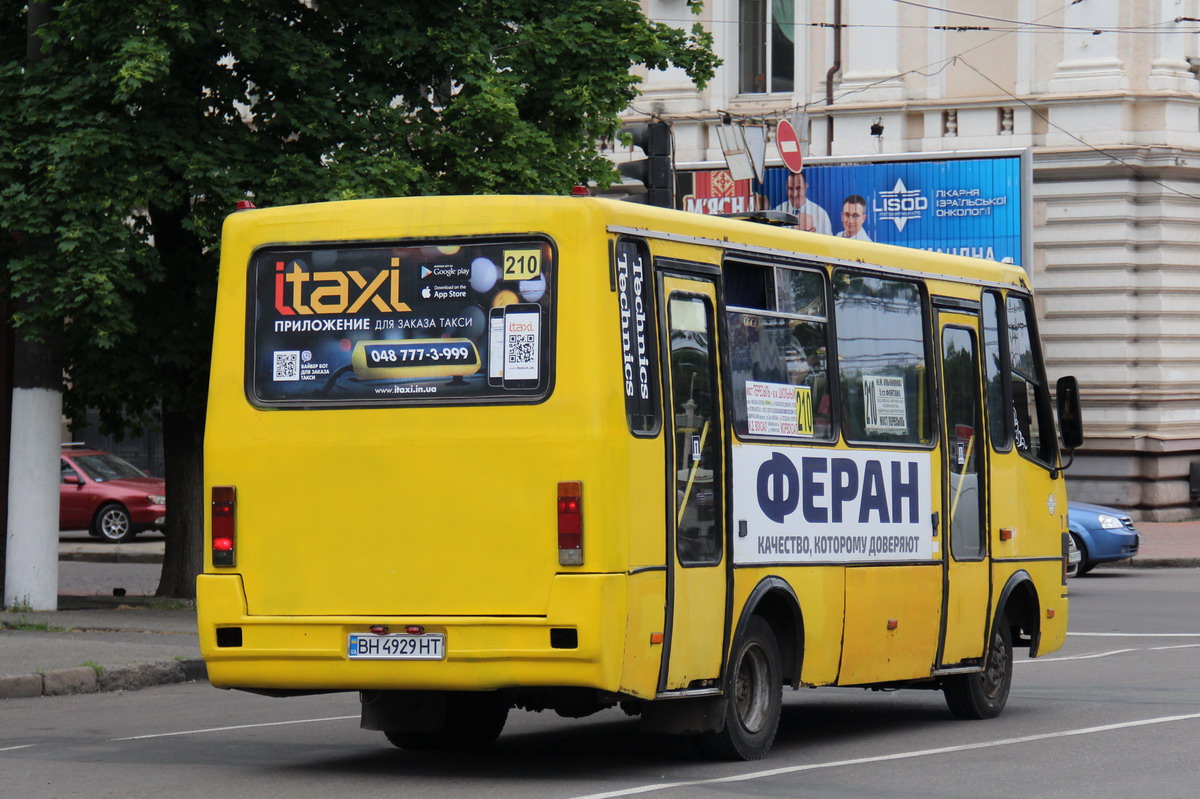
pixel 482 653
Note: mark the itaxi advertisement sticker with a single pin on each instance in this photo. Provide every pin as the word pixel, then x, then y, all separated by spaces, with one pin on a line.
pixel 368 324
pixel 808 505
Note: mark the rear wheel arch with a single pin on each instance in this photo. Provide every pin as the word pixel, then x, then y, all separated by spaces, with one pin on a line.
pixel 776 603
pixel 1020 607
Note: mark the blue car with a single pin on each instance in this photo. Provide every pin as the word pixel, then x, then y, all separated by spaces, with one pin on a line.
pixel 1099 534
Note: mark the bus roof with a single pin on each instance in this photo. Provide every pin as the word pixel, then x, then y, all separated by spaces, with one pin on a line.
pixel 439 216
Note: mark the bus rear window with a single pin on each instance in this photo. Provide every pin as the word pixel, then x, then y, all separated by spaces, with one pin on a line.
pixel 364 325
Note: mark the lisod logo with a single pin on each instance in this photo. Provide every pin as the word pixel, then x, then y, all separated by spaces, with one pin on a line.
pixel 900 204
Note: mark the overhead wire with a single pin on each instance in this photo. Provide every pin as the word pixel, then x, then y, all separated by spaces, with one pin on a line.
pixel 1108 154
pixel 1037 23
pixel 942 65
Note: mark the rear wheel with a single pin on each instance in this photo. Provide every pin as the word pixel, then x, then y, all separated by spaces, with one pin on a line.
pixel 472 722
pixel 982 695
pixel 754 697
pixel 112 523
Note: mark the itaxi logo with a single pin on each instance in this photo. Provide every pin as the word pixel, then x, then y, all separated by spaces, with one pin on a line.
pixel 298 291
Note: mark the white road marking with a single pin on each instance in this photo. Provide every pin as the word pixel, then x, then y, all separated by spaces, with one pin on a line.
pixel 884 758
pixel 235 727
pixel 1134 635
pixel 11 748
pixel 1110 653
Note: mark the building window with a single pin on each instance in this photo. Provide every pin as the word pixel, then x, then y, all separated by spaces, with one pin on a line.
pixel 767 46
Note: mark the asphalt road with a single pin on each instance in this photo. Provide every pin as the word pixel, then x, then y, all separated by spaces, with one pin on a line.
pixel 1116 713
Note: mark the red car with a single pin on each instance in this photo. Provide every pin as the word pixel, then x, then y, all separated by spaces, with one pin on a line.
pixel 108 497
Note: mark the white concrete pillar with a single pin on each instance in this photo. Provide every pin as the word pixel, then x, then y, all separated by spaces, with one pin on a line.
pixel 1026 41
pixel 1091 62
pixel 935 85
pixel 871 60
pixel 31 574
pixel 1169 66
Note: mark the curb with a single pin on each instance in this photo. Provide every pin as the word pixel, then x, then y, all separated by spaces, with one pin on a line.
pixel 1151 563
pixel 87 680
pixel 114 557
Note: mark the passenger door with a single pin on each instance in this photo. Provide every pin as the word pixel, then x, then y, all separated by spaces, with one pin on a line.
pixel 696 584
pixel 966 567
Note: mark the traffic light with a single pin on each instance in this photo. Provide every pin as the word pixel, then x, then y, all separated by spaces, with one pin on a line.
pixel 657 170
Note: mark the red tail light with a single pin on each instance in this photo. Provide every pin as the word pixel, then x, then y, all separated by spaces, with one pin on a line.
pixel 570 523
pixel 224 526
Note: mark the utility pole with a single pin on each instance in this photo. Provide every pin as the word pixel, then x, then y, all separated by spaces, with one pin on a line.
pixel 31 557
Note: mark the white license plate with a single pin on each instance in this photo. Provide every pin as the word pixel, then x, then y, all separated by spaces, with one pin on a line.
pixel 397 646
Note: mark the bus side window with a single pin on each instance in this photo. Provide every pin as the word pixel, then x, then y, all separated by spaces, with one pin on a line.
pixel 778 341
pixel 993 366
pixel 1033 431
pixel 882 362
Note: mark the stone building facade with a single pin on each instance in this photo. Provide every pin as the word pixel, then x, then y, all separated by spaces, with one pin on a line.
pixel 1105 95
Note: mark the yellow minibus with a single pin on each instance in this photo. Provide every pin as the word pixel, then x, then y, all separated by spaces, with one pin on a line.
pixel 471 454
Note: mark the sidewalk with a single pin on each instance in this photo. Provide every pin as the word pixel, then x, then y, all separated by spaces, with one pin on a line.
pixel 1164 544
pixel 98 642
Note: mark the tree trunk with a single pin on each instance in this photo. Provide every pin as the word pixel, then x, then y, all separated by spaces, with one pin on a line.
pixel 183 446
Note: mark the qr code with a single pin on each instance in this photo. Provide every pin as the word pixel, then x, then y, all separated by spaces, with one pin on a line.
pixel 287 366
pixel 522 348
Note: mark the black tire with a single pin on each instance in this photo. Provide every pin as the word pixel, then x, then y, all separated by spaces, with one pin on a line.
pixel 1084 566
pixel 982 695
pixel 112 524
pixel 754 697
pixel 473 722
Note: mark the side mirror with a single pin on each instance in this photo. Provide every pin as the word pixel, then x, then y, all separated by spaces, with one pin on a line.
pixel 1070 421
pixel 72 479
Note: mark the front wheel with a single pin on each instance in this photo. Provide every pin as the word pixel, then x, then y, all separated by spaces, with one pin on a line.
pixel 982 695
pixel 112 523
pixel 754 698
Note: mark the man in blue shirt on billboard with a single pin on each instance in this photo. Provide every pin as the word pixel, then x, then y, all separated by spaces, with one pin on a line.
pixel 854 213
pixel 812 216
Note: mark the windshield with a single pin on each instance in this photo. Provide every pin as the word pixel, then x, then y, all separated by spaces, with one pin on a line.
pixel 102 468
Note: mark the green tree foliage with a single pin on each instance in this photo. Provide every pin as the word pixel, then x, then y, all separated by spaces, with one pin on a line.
pixel 145 122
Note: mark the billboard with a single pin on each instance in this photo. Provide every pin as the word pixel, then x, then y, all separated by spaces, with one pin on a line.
pixel 964 204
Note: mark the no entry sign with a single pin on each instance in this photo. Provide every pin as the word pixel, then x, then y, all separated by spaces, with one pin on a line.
pixel 789 145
